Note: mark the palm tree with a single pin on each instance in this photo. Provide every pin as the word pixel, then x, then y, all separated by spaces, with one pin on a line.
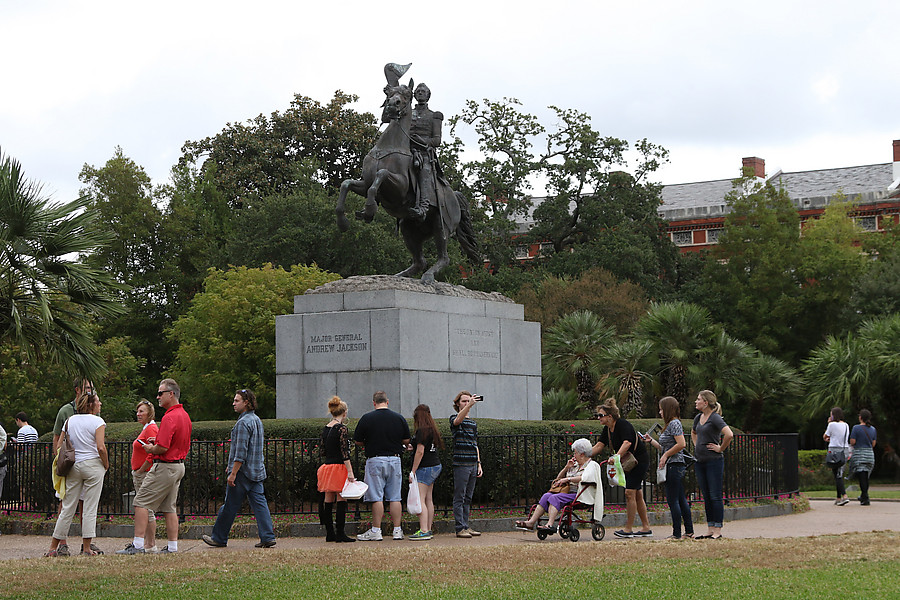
pixel 628 374
pixel 572 356
pixel 680 333
pixel 562 405
pixel 771 377
pixel 838 372
pixel 47 297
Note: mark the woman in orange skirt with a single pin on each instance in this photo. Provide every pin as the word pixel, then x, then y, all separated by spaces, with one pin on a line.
pixel 337 470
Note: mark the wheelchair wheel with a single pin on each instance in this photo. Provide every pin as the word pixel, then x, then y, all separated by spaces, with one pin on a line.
pixel 598 531
pixel 563 530
pixel 574 534
pixel 542 535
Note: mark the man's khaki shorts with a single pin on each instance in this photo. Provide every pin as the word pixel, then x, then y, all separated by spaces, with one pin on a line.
pixel 159 491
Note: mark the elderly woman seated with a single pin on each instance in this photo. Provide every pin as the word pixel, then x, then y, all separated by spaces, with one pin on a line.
pixel 571 475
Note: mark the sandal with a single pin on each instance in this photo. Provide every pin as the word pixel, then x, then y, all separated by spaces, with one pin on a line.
pixel 549 530
pixel 51 554
pixel 702 537
pixel 688 535
pixel 523 526
pixel 90 553
pixel 716 537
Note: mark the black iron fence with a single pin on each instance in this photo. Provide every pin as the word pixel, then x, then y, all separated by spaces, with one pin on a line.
pixel 517 470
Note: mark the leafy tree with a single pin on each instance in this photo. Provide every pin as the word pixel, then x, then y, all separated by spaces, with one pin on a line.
pixel 226 339
pixel 597 290
pixel 500 181
pixel 857 371
pixel 830 256
pixel 875 292
pixel 300 229
pixel 260 158
pixel 752 284
pixel 121 193
pixel 771 379
pixel 572 357
pixel 47 297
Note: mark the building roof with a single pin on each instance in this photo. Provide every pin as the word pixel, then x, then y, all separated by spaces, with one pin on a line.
pixel 807 189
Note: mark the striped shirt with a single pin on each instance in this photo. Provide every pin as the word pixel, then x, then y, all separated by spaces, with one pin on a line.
pixel 27 435
pixel 465 441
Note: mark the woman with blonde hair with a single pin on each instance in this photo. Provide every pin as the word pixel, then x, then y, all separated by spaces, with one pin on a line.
pixel 622 438
pixel 670 445
pixel 142 461
pixel 86 432
pixel 711 436
pixel 335 472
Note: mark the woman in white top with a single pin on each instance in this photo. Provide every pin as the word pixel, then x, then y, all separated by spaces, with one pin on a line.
pixel 837 434
pixel 87 432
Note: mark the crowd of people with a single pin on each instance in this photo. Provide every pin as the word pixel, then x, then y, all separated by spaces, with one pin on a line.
pixel 158 453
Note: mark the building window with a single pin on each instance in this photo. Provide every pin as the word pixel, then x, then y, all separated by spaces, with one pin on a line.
pixel 683 238
pixel 712 236
pixel 521 251
pixel 546 248
pixel 868 223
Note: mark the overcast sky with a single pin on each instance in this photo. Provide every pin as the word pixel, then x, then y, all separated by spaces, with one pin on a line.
pixel 804 85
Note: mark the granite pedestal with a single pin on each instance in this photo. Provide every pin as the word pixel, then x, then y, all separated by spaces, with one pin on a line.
pixel 418 343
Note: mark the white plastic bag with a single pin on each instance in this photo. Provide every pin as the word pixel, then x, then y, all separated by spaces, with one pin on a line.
pixel 413 501
pixel 661 475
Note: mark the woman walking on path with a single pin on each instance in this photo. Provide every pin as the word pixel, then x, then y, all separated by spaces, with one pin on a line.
pixel 426 467
pixel 335 472
pixel 86 432
pixel 837 434
pixel 711 436
pixel 671 443
pixel 863 440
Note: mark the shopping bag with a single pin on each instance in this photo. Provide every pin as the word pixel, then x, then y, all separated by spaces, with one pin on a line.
pixel 614 472
pixel 413 501
pixel 354 490
pixel 661 475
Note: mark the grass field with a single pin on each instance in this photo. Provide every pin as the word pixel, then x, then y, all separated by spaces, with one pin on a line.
pixel 854 493
pixel 791 568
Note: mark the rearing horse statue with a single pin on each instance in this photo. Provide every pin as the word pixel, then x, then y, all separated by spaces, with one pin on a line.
pixel 388 179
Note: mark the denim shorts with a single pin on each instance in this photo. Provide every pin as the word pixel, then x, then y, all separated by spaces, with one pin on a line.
pixel 428 475
pixel 383 478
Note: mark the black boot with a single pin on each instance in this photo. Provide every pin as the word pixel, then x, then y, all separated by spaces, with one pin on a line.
pixel 341 519
pixel 325 519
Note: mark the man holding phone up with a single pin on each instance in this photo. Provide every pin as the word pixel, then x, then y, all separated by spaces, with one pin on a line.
pixel 466 461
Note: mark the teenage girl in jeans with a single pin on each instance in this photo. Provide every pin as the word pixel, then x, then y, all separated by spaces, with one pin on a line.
pixel 671 443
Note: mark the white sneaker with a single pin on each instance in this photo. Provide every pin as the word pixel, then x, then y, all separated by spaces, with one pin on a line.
pixel 398 533
pixel 370 536
pixel 152 549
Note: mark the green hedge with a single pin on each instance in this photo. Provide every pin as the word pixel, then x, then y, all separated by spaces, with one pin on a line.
pixel 814 475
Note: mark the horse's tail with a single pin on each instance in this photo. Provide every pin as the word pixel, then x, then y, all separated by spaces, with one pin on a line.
pixel 465 234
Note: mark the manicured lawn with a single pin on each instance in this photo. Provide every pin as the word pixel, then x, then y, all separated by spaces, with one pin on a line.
pixel 873 493
pixel 800 568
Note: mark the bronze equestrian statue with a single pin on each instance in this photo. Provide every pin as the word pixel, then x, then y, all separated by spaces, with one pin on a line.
pixel 403 175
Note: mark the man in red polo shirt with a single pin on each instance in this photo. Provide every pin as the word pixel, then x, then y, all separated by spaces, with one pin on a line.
pixel 159 491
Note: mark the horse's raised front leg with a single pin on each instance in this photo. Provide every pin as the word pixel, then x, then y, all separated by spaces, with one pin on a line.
pixel 368 211
pixel 356 185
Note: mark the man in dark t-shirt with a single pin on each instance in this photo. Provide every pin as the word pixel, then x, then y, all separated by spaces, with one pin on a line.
pixel 384 434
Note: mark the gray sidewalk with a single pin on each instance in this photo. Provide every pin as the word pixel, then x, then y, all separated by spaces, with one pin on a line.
pixel 824 518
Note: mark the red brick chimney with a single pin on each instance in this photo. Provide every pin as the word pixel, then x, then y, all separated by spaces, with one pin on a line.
pixel 758 165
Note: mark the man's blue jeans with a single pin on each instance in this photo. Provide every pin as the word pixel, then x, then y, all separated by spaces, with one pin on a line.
pixel 234 498
pixel 464 477
pixel 709 477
